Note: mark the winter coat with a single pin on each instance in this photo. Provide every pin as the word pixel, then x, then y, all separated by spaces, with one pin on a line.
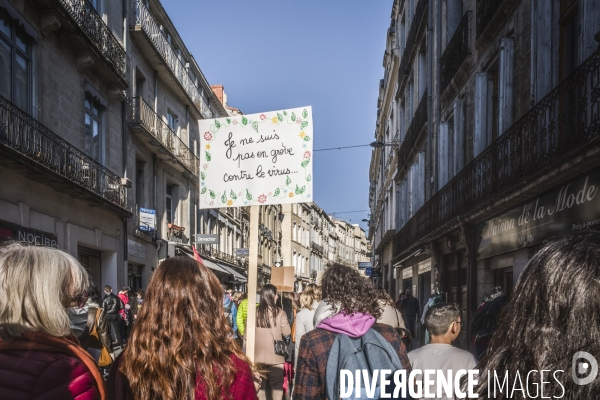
pixel 316 345
pixel 39 366
pixel 125 299
pixel 264 350
pixel 304 324
pixel 242 387
pixel 391 316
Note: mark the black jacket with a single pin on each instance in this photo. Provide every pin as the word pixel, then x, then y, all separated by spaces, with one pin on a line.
pixel 410 306
pixel 112 304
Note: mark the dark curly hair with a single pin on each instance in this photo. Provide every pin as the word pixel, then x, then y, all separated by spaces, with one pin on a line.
pixel 345 287
pixel 551 315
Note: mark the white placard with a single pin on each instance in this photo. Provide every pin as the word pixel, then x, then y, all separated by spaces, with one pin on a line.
pixel 257 159
pixel 147 220
pixel 407 273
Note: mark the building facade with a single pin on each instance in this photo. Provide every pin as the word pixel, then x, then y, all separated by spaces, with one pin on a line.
pixel 62 110
pixel 492 106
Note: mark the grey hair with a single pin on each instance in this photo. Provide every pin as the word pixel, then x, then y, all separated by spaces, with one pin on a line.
pixel 439 317
pixel 34 284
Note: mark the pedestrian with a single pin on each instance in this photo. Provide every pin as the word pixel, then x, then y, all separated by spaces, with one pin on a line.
pixel 242 314
pixel 349 309
pixel 124 313
pixel 39 357
pixel 399 302
pixel 443 322
pixel 96 336
pixel 309 301
pixel 181 348
pixel 271 326
pixel 551 316
pixel 411 311
pixel 139 303
pixel 389 314
pixel 230 310
pixel 112 305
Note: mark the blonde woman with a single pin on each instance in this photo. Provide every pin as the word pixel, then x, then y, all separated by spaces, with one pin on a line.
pixel 39 357
pixel 309 300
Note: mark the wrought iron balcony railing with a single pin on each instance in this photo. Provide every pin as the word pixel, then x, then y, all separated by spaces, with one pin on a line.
pixel 412 133
pixel 485 12
pixel 144 115
pixel 563 122
pixel 144 19
pixel 420 13
pixel 90 22
pixel 455 53
pixel 31 140
pixel 316 247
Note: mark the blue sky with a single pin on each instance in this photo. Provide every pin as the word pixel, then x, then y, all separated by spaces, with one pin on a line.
pixel 277 54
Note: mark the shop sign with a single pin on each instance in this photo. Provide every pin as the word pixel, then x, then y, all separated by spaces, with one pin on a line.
pixel 407 273
pixel 207 239
pixel 147 219
pixel 368 271
pixel 135 249
pixel 363 265
pixel 18 233
pixel 571 207
pixel 424 266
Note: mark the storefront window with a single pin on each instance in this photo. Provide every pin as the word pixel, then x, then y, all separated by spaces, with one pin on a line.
pixel 504 278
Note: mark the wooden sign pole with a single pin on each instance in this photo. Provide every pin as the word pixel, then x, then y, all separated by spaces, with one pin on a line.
pixel 252 282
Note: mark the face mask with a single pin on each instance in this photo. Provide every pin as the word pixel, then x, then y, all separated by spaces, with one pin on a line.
pixel 77 319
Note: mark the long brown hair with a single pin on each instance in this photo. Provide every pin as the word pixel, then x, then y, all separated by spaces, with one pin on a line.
pixel 181 333
pixel 267 308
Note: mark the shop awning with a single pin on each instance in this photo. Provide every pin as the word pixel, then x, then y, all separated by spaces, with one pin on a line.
pixel 237 276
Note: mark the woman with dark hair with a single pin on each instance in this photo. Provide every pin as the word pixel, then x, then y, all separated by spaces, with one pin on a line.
pixel 271 324
pixel 181 346
pixel 551 315
pixel 350 306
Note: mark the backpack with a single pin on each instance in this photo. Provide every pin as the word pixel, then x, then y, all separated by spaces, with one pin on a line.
pixel 369 352
pixel 228 315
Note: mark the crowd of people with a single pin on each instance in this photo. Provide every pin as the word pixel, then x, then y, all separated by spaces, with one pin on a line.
pixel 185 336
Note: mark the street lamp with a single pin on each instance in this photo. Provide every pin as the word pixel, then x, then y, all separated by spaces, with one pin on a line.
pixel 377 144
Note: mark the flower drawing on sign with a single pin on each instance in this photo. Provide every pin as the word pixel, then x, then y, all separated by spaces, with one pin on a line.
pixel 307 154
pixel 274 120
pixel 208 136
pixel 263 117
pixel 298 120
pixel 208 146
pixel 262 198
pixel 235 122
pixel 302 134
pixel 291 194
pixel 212 203
pixel 204 166
pixel 229 202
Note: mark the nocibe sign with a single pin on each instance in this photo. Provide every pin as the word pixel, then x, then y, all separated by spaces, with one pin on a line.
pixel 570 207
pixel 256 159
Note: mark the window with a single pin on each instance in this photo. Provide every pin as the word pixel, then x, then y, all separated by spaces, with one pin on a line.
pixel 170 204
pixel 93 128
pixel 134 276
pixel 172 121
pixel 15 62
pixel 569 33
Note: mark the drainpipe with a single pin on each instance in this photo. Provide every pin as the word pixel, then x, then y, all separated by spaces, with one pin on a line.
pixel 124 139
pixel 154 161
pixel 430 157
pixel 438 77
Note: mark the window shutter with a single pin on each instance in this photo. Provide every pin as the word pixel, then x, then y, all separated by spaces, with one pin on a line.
pixel 443 173
pixel 505 89
pixel 481 99
pixel 459 135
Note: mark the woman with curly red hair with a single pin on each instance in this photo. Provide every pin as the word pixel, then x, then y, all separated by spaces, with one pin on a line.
pixel 181 346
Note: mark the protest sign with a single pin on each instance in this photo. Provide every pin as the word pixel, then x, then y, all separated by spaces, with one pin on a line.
pixel 256 159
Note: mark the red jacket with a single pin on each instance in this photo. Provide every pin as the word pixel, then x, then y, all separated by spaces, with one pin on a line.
pixel 39 367
pixel 242 387
pixel 125 299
